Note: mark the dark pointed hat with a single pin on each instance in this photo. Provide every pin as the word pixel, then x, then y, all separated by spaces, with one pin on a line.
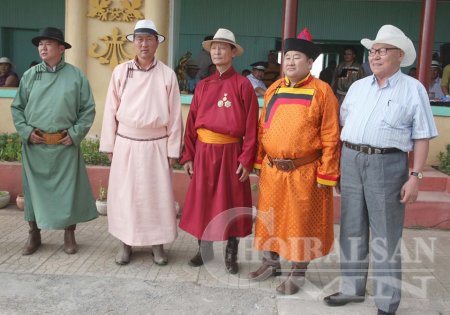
pixel 302 43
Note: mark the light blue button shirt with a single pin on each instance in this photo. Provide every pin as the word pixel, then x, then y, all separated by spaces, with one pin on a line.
pixel 391 116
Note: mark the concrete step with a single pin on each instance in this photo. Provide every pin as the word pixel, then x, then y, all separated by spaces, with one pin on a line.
pixel 434 180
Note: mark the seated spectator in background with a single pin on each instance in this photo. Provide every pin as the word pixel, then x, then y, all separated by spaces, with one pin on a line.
pixel 211 69
pixel 412 72
pixel 245 72
pixel 8 78
pixel 192 76
pixel 346 73
pixel 434 89
pixel 366 68
pixel 445 79
pixel 327 73
pixel 272 72
pixel 203 61
pixel 256 77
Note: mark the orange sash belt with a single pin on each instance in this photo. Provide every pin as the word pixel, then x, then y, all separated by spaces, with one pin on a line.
pixel 208 136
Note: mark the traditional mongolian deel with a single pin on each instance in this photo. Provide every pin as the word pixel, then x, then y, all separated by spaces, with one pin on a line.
pixel 55 182
pixel 138 128
pixel 226 105
pixel 295 217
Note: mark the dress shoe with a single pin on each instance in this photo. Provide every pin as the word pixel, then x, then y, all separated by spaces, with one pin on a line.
pixel 205 253
pixel 70 245
pixel 380 312
pixel 34 239
pixel 159 255
pixel 339 299
pixel 124 254
pixel 231 252
pixel 269 268
pixel 295 279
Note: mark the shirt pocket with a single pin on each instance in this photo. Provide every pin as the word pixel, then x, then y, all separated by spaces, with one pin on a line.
pixel 396 114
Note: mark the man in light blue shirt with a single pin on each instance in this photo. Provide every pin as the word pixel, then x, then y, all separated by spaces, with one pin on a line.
pixel 383 117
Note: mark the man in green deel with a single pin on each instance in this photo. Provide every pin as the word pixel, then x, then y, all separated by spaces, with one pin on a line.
pixel 52 112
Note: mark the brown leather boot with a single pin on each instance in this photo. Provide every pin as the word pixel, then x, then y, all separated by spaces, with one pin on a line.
pixel 70 245
pixel 34 239
pixel 295 279
pixel 205 253
pixel 124 254
pixel 270 267
pixel 231 252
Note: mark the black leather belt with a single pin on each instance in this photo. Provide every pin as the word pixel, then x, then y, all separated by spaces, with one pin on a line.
pixel 370 150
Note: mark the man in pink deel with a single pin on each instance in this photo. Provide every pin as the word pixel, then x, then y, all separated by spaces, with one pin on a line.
pixel 141 133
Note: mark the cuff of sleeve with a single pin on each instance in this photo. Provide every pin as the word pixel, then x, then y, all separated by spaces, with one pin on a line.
pixel 327 180
pixel 257 166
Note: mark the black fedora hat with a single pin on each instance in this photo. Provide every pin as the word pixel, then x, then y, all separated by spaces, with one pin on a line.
pixel 50 33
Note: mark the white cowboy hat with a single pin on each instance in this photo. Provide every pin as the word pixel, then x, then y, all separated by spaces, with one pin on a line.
pixel 147 27
pixel 224 36
pixel 389 34
pixel 6 60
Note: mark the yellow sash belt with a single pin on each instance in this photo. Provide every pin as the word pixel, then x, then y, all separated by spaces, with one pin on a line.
pixel 208 136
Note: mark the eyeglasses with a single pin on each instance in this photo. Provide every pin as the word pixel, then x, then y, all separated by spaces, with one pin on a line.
pixel 381 51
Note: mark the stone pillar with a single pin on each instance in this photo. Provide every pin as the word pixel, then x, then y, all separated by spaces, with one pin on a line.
pixel 159 12
pixel 76 33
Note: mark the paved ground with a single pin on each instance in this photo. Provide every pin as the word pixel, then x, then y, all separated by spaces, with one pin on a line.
pixel 52 282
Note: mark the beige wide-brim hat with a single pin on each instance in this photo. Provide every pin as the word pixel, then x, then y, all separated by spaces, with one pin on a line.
pixel 389 34
pixel 145 27
pixel 224 36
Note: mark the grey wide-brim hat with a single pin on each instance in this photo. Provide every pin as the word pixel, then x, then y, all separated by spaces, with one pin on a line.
pixel 51 33
pixel 389 34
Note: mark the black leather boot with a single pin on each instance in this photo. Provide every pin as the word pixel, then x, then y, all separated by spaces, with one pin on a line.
pixel 231 252
pixel 205 253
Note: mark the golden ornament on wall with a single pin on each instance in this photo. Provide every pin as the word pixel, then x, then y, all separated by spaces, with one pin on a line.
pixel 115 52
pixel 102 10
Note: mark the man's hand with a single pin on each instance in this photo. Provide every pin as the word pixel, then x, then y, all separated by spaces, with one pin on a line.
pixel 244 173
pixel 188 168
pixel 67 140
pixel 35 138
pixel 172 161
pixel 410 190
pixel 109 155
pixel 257 172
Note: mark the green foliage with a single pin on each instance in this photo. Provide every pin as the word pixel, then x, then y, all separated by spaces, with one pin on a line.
pixel 91 153
pixel 102 193
pixel 10 147
pixel 444 159
pixel 11 150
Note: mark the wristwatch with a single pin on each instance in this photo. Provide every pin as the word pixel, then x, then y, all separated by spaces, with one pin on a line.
pixel 419 175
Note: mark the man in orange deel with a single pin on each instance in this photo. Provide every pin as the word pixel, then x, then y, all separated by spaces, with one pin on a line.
pixel 298 158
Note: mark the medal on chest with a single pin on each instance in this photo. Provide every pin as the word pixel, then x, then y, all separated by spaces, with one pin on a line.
pixel 224 101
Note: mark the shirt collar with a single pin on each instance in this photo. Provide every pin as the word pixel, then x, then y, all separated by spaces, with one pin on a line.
pixel 391 81
pixel 217 76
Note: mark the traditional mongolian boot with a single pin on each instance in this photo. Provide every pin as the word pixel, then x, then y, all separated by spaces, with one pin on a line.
pixel 34 239
pixel 70 245
pixel 270 267
pixel 295 279
pixel 159 255
pixel 124 254
pixel 231 252
pixel 205 253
